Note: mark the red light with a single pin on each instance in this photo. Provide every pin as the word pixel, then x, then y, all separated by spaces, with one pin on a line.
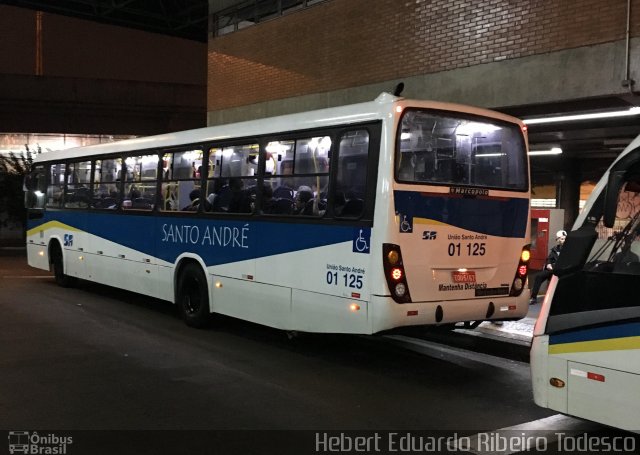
pixel 412 313
pixel 522 270
pixel 524 128
pixel 595 377
pixel 396 273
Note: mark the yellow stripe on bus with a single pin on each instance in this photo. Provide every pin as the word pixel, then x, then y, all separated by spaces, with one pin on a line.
pixel 610 344
pixel 51 225
pixel 428 221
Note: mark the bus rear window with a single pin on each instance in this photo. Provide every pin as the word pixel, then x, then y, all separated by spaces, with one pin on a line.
pixel 435 147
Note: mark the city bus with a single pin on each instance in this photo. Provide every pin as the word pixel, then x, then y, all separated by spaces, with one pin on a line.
pixel 355 219
pixel 585 354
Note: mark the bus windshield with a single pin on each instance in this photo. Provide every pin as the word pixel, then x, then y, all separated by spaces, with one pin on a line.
pixel 617 249
pixel 445 148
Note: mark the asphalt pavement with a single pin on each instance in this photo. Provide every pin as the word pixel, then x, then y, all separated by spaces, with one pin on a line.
pixel 515 336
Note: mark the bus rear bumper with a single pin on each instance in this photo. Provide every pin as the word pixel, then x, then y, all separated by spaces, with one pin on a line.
pixel 387 314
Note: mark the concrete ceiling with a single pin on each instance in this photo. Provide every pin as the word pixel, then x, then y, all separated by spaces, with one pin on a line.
pixel 182 18
pixel 590 144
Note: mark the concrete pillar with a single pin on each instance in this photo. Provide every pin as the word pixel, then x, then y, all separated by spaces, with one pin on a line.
pixel 568 190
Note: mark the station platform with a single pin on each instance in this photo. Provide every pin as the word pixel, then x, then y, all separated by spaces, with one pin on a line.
pixel 517 332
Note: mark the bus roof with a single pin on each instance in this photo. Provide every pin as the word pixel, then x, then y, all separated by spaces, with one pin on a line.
pixel 634 144
pixel 377 109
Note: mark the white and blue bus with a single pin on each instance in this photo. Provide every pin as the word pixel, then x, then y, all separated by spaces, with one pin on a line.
pixel 354 219
pixel 585 355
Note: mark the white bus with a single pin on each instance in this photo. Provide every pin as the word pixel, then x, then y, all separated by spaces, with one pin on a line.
pixel 355 219
pixel 585 356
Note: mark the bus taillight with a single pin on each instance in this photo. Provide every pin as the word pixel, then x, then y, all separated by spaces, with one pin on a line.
pixel 394 273
pixel 521 272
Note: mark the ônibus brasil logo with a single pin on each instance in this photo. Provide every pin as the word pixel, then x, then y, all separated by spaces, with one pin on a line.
pixel 31 442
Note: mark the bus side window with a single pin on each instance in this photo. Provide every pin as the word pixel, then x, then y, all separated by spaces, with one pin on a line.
pixel 106 187
pixel 78 193
pixel 349 196
pixel 180 176
pixel 55 187
pixel 140 184
pixel 300 179
pixel 36 188
pixel 232 183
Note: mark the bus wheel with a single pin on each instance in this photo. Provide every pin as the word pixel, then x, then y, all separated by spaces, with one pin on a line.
pixel 193 296
pixel 58 268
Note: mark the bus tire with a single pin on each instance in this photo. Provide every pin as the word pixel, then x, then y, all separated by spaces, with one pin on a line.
pixel 192 296
pixel 57 264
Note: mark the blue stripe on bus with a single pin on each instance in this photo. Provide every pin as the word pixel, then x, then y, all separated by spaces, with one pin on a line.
pixel 501 217
pixel 597 333
pixel 216 241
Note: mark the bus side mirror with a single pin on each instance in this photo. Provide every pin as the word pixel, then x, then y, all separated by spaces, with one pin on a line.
pixel 616 179
pixel 575 251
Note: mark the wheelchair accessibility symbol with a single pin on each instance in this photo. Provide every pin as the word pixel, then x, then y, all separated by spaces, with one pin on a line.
pixel 361 240
pixel 406 223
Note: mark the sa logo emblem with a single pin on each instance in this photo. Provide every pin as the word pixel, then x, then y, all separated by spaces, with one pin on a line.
pixel 429 235
pixel 68 240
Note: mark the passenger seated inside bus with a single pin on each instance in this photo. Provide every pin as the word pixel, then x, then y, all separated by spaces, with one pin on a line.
pixel 214 188
pixel 142 203
pixel 80 197
pixel 227 194
pixel 339 201
pixel 354 205
pixel 194 196
pixel 232 197
pixel 133 193
pixel 283 192
pixel 303 195
pixel 282 206
pixel 106 202
pixel 241 198
pixel 268 203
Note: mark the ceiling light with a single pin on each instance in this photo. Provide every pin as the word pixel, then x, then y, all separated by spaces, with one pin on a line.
pixel 483 155
pixel 596 115
pixel 553 151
